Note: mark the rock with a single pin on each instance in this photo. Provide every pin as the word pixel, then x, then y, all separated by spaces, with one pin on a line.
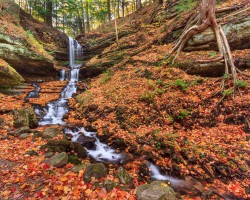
pixel 58 160
pixel 50 132
pixel 37 134
pixel 77 168
pixel 24 135
pixel 109 185
pixel 88 142
pixel 58 145
pixel 49 155
pixel 31 153
pixel 90 128
pixel 74 160
pixel 96 170
pixel 157 190
pixel 119 144
pixel 143 171
pixel 19 131
pixel 25 117
pixel 78 149
pixel 8 75
pixel 1 121
pixel 124 177
pixel 237 33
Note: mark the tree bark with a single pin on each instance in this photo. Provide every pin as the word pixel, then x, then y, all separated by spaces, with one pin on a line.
pixel 109 12
pixel 48 15
pixel 87 16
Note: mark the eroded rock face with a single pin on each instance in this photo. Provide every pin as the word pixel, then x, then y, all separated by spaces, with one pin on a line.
pixel 237 33
pixel 8 75
pixel 157 190
pixel 18 53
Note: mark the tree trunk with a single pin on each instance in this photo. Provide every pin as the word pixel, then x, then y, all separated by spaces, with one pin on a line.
pixel 48 15
pixel 87 16
pixel 109 12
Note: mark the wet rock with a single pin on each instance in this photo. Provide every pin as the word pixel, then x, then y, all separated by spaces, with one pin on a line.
pixel 24 135
pixel 124 177
pixel 50 132
pixel 157 190
pixel 25 117
pixel 58 145
pixel 78 149
pixel 90 128
pixel 96 170
pixel 31 153
pixel 86 141
pixel 119 144
pixel 58 160
pixel 143 171
pixel 74 160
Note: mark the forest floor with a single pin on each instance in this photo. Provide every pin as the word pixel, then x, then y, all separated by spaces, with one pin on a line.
pixel 148 109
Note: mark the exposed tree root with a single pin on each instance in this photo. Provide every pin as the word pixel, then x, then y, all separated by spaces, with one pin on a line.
pixel 200 23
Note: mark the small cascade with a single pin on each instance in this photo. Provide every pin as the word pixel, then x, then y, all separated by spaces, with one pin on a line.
pixel 62 75
pixel 102 152
pixel 157 175
pixel 56 110
pixel 34 93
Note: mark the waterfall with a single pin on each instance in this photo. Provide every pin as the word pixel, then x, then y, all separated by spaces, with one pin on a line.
pixel 57 109
pixel 75 52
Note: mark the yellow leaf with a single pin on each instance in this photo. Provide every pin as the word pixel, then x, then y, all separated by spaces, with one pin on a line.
pixel 66 189
pixel 59 188
pixel 76 192
pixel 23 185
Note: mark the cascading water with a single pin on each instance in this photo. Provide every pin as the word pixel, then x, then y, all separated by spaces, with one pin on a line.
pixel 57 109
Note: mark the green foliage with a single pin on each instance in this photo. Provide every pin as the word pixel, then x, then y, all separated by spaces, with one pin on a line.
pixel 212 54
pixel 148 97
pixel 228 92
pixel 106 77
pixel 180 84
pixel 29 32
pixel 183 114
pixel 185 5
pixel 241 84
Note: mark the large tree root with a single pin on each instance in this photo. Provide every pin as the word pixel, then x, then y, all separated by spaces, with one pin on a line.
pixel 203 20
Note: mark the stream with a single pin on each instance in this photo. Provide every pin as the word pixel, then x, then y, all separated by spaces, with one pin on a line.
pixel 55 110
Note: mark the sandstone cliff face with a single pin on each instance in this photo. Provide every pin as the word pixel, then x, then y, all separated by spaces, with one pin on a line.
pixel 29 46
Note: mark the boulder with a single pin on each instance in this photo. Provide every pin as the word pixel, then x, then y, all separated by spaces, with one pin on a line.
pixel 73 159
pixel 78 149
pixel 25 117
pixel 8 75
pixel 88 142
pixel 124 177
pixel 24 135
pixel 157 190
pixel 58 145
pixel 77 168
pixel 109 185
pixel 49 155
pixel 58 160
pixel 96 170
pixel 50 132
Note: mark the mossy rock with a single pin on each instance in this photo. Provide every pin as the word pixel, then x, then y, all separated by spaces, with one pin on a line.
pixel 50 132
pixel 58 160
pixel 74 160
pixel 124 177
pixel 8 75
pixel 25 117
pixel 58 145
pixel 78 149
pixel 157 190
pixel 96 170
